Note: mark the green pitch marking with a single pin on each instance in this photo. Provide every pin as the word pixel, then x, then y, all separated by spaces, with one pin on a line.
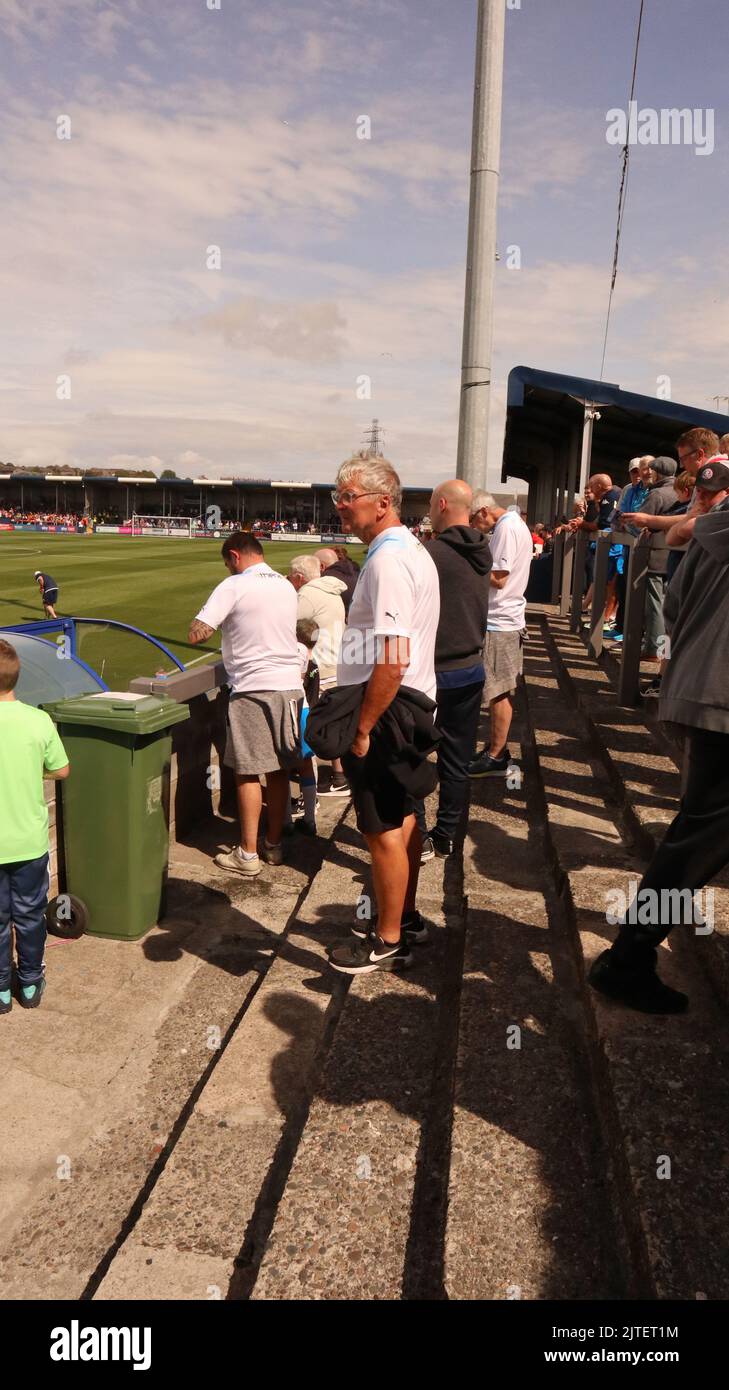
pixel 157 585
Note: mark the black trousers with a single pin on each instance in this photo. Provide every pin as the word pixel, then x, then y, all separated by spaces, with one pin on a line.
pixel 457 718
pixel 695 847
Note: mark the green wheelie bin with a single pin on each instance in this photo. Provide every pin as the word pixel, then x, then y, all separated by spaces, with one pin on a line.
pixel 115 812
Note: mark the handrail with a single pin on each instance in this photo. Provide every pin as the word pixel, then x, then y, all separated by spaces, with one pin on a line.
pixel 557 562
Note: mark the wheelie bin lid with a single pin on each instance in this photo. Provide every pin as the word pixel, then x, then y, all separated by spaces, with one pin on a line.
pixel 121 710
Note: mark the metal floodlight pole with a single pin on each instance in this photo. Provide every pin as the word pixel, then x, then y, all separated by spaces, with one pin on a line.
pixel 590 416
pixel 481 253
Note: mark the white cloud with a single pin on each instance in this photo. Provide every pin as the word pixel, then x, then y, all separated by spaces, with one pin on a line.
pixel 136 461
pixel 305 332
pixel 189 459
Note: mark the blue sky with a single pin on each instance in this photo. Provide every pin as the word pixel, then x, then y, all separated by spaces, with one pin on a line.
pixel 340 257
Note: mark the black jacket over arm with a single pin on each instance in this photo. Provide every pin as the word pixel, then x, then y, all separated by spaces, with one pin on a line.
pixel 400 741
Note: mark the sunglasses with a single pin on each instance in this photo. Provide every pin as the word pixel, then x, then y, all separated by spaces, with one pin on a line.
pixel 347 498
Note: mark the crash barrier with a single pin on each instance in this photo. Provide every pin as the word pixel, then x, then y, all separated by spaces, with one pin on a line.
pixel 568 589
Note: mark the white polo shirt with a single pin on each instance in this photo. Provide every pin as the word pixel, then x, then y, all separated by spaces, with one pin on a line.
pixel 257 612
pixel 397 595
pixel 511 549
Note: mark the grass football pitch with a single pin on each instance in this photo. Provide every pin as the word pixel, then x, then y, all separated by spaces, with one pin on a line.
pixel 156 585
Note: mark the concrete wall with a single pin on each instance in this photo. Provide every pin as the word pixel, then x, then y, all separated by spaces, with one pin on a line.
pixel 199 784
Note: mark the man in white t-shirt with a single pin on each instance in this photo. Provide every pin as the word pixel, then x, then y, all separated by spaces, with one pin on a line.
pixel 389 643
pixel 503 653
pixel 256 608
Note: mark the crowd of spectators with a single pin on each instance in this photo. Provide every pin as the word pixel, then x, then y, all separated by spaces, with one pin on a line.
pixel 391 663
pixel 660 503
pixel 26 516
pixel 263 524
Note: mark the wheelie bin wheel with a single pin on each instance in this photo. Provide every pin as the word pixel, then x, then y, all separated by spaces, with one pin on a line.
pixel 67 916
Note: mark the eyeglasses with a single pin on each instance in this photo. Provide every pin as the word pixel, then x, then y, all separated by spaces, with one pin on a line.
pixel 347 498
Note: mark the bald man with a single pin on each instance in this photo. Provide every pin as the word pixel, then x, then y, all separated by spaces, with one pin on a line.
pixel 603 514
pixel 336 568
pixel 603 509
pixel 462 557
pixel 326 557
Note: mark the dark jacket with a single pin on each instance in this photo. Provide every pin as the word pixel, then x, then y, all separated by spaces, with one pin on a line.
pixel 661 497
pixel 400 741
pixel 347 571
pixel 694 688
pixel 676 552
pixel 462 557
pixel 312 683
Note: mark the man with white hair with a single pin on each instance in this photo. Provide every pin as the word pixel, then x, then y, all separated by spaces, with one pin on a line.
pixel 320 601
pixel 386 688
pixel 503 652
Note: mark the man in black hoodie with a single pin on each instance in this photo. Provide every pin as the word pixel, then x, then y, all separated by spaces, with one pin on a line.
pixel 462 557
pixel 339 567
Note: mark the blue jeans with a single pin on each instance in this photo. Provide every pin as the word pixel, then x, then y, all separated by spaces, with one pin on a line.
pixel 23 901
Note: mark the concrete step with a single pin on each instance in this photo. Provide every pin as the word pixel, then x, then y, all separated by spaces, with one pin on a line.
pixel 346 1225
pixel 202 1227
pixel 128 1036
pixel 432 1164
pixel 530 1212
pixel 662 1085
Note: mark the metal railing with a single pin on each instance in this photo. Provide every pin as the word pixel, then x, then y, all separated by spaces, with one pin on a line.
pixel 570 555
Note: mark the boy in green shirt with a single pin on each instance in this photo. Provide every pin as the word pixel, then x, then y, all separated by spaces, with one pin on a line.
pixel 30 750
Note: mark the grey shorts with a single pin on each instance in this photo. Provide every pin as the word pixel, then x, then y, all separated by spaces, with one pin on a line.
pixel 503 659
pixel 263 731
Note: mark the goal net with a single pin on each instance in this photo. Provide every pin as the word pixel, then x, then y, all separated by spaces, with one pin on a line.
pixel 163 525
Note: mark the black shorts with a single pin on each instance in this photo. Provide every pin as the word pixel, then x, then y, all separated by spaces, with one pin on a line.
pixel 49 597
pixel 380 801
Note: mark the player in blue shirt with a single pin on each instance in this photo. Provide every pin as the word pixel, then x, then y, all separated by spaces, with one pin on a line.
pixel 48 591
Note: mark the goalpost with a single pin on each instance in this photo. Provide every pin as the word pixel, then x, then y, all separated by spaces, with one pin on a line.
pixel 184 526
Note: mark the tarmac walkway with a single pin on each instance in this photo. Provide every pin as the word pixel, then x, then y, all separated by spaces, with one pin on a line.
pixel 213 1113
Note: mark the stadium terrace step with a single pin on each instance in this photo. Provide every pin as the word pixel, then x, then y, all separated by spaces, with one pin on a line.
pixel 433 1164
pixel 125 1043
pixel 343 1227
pixel 217 1189
pixel 662 1085
pixel 530 1213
